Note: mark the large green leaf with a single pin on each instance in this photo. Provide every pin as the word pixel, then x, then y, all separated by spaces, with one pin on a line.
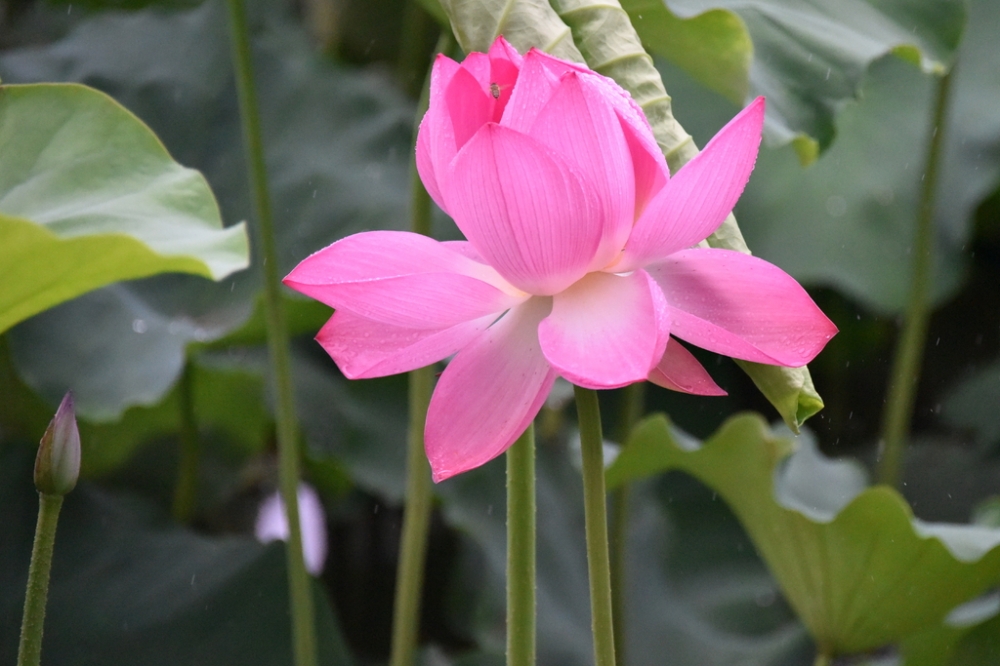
pixel 129 589
pixel 696 590
pixel 967 637
pixel 859 570
pixel 525 23
pixel 978 645
pixel 89 196
pixel 713 45
pixel 338 145
pixel 807 59
pixel 847 221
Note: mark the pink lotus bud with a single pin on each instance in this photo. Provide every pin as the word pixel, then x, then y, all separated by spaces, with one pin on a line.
pixel 57 466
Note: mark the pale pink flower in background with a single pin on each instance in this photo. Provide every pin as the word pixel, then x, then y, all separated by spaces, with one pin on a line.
pixel 272 525
pixel 579 260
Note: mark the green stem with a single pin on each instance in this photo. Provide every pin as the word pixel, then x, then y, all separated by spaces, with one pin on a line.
pixel 910 349
pixel 417 514
pixel 303 622
pixel 410 61
pixel 521 550
pixel 186 489
pixel 596 519
pixel 632 409
pixel 33 622
pixel 416 523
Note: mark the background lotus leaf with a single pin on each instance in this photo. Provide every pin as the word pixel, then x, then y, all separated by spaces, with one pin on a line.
pixel 807 59
pixel 89 196
pixel 338 154
pixel 859 570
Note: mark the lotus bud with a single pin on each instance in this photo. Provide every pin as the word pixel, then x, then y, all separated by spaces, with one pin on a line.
pixel 57 466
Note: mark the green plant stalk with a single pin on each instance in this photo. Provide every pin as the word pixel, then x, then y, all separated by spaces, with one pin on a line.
pixel 417 514
pixel 301 601
pixel 634 400
pixel 186 489
pixel 596 520
pixel 619 542
pixel 33 621
pixel 909 352
pixel 416 523
pixel 409 63
pixel 521 513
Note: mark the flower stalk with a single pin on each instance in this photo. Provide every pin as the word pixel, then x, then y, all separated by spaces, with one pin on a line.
pixel 909 352
pixel 416 523
pixel 596 520
pixel 417 514
pixel 634 396
pixel 57 467
pixel 521 516
pixel 33 620
pixel 301 601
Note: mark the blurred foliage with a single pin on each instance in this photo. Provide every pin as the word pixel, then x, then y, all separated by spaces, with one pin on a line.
pixel 807 59
pixel 128 588
pixel 967 637
pixel 860 228
pixel 696 588
pixel 337 80
pixel 173 71
pixel 89 196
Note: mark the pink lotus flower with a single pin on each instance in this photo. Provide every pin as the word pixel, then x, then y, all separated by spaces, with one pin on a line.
pixel 579 259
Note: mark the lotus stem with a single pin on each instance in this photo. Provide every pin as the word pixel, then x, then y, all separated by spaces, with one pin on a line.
pixel 634 396
pixel 301 600
pixel 596 520
pixel 37 595
pixel 909 352
pixel 417 512
pixel 521 514
pixel 409 67
pixel 416 524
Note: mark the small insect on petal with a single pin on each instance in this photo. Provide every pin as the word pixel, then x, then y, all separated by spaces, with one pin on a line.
pixel 495 90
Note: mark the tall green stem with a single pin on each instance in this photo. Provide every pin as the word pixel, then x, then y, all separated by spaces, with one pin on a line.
pixel 521 550
pixel 303 622
pixel 410 62
pixel 910 349
pixel 33 621
pixel 186 488
pixel 417 513
pixel 632 408
pixel 416 523
pixel 596 519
